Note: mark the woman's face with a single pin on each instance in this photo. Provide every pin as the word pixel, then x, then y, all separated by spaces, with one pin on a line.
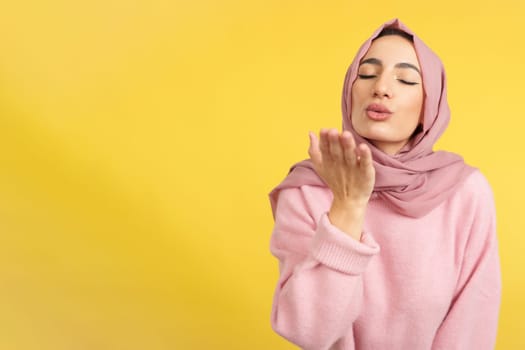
pixel 387 95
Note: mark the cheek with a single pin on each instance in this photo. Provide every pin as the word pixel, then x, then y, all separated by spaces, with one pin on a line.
pixel 354 100
pixel 357 96
pixel 358 89
pixel 414 103
pixel 353 96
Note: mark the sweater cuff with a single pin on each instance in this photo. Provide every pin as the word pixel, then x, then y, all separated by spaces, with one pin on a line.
pixel 336 249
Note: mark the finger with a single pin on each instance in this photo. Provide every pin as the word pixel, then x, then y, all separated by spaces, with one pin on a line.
pixel 365 155
pixel 324 144
pixel 313 150
pixel 335 144
pixel 349 148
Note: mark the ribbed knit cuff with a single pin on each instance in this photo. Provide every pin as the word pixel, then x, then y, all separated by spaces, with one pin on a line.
pixel 335 249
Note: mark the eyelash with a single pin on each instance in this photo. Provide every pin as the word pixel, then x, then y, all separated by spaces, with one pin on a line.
pixel 365 76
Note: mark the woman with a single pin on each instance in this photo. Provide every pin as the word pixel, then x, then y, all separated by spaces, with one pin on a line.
pixel 383 243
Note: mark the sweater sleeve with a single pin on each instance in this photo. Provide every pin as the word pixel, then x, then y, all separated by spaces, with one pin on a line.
pixel 319 292
pixel 472 320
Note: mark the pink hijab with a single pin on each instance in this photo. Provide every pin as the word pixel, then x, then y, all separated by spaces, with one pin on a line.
pixel 416 179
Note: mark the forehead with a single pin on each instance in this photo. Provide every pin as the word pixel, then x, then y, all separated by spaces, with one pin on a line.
pixel 392 49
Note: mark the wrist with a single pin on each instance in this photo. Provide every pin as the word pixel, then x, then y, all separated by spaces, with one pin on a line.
pixel 349 206
pixel 348 217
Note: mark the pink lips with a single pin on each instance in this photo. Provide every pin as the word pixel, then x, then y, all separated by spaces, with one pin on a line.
pixel 376 111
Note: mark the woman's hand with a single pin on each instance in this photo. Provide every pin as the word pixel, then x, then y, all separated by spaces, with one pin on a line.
pixel 349 172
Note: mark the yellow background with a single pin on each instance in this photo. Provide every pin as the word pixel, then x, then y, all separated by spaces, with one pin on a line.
pixel 140 139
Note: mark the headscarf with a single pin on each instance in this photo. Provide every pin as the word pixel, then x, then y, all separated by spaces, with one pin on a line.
pixel 416 179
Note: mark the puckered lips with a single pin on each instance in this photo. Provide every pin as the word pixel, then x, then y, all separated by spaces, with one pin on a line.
pixel 377 111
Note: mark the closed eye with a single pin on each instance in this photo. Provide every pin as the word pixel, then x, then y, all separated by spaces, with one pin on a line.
pixel 365 76
pixel 407 82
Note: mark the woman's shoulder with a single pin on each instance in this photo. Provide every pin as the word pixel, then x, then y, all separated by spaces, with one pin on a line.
pixel 308 194
pixel 473 196
pixel 476 185
pixel 305 199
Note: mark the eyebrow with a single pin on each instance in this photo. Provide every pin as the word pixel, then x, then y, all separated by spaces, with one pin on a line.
pixel 378 62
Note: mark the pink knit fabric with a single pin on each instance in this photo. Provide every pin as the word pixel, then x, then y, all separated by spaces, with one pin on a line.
pixel 410 283
pixel 415 180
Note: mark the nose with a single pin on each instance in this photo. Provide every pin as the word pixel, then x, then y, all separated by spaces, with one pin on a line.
pixel 382 87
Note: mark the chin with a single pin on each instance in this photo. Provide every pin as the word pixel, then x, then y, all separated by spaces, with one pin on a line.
pixel 376 135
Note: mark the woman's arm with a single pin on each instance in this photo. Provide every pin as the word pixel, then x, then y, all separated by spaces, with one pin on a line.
pixel 322 254
pixel 472 320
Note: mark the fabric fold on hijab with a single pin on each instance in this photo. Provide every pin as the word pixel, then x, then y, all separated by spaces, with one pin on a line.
pixel 416 179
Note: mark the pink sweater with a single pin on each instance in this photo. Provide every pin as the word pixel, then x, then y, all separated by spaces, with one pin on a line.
pixel 427 283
